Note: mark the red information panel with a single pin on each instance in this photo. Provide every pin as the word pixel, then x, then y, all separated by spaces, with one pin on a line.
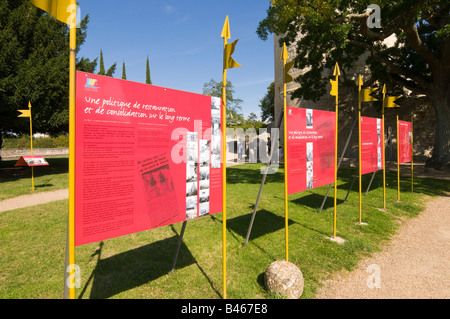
pixel 146 157
pixel 31 161
pixel 371 145
pixel 310 148
pixel 404 141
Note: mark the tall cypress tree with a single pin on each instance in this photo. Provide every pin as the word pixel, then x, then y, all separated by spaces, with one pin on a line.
pixel 101 70
pixel 148 79
pixel 124 75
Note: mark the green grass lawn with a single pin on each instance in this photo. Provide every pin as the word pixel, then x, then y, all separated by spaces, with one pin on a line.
pixel 16 181
pixel 33 241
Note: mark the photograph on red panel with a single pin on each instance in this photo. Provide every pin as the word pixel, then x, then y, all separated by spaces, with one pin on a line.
pixel 159 190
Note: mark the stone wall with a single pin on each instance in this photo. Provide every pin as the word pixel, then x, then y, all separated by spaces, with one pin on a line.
pixel 15 154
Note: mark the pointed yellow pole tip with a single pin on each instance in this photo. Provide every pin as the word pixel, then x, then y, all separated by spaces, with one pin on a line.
pixel 336 72
pixel 226 29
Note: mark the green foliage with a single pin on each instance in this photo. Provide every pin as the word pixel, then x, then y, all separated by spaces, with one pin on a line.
pixel 111 69
pixel 214 88
pixel 267 104
pixel 34 66
pixel 23 142
pixel 148 79
pixel 124 74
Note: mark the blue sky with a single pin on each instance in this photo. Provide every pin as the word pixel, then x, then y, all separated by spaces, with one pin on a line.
pixel 183 43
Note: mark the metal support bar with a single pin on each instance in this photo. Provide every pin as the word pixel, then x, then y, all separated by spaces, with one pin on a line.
pixel 340 161
pixel 180 240
pixel 350 188
pixel 250 226
pixel 371 180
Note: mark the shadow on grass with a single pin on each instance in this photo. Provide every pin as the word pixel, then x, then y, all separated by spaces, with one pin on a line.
pixel 265 223
pixel 136 267
pixel 10 173
pixel 315 201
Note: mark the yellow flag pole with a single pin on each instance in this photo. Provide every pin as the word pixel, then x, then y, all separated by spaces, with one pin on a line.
pixel 412 155
pixel 398 164
pixel 71 226
pixel 384 151
pixel 225 35
pixel 31 146
pixel 359 147
pixel 336 73
pixel 284 57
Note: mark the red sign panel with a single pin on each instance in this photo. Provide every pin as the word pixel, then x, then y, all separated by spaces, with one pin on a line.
pixel 31 161
pixel 310 148
pixel 146 157
pixel 405 141
pixel 371 145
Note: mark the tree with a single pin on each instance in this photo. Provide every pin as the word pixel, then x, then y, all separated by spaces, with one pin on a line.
pixel 111 69
pixel 148 79
pixel 252 122
pixel 267 104
pixel 124 74
pixel 34 66
pixel 213 88
pixel 338 31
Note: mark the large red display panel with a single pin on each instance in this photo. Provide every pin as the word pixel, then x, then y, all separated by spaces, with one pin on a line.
pixel 404 141
pixel 310 148
pixel 146 157
pixel 371 145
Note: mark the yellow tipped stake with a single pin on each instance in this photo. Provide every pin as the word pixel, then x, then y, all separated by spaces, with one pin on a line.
pixel 412 154
pixel 228 63
pixel 335 92
pixel 284 57
pixel 384 151
pixel 398 164
pixel 388 102
pixel 27 113
pixel 363 96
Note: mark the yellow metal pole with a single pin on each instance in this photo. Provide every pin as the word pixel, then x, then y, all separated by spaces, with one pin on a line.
pixel 412 155
pixel 224 180
pixel 286 217
pixel 71 235
pixel 398 163
pixel 384 151
pixel 359 143
pixel 31 145
pixel 335 156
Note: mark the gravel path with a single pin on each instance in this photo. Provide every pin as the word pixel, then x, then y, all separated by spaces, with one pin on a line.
pixel 415 264
pixel 33 199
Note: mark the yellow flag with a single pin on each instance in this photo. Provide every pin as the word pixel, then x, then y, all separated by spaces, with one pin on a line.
pixel 228 61
pixel 59 9
pixel 334 83
pixel 365 95
pixel 288 65
pixel 287 77
pixel 389 101
pixel 25 113
pixel 334 88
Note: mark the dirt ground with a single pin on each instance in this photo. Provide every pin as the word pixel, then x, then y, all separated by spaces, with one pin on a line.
pixel 415 264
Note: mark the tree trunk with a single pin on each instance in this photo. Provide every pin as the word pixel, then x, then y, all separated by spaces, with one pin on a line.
pixel 440 99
